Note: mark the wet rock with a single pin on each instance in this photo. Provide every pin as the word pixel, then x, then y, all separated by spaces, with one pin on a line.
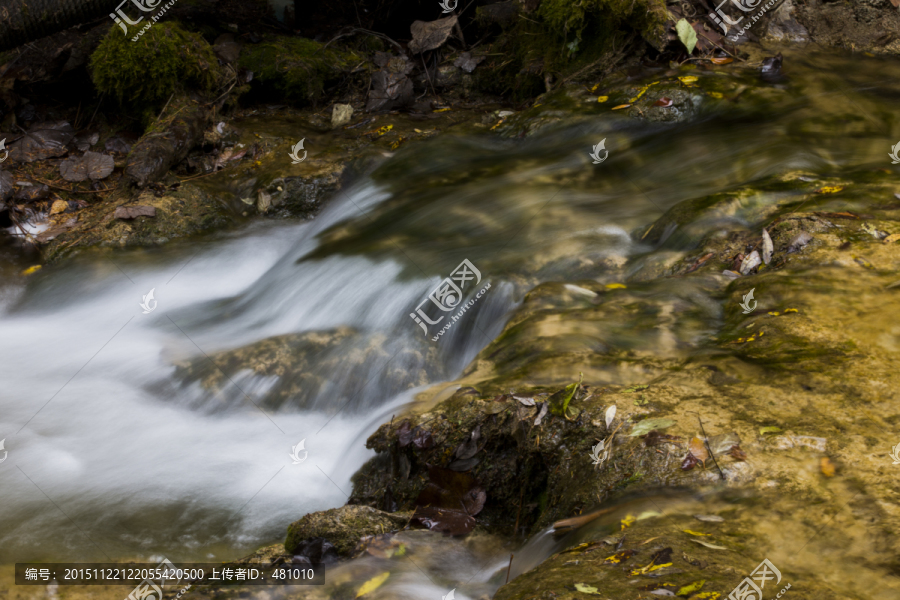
pixel 341 115
pixel 342 527
pixel 783 27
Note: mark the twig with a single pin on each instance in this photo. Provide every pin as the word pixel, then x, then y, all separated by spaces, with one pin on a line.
pixel 197 176
pixel 723 49
pixel 428 76
pixel 509 568
pixel 706 441
pixel 165 107
pixel 72 191
pixel 96 109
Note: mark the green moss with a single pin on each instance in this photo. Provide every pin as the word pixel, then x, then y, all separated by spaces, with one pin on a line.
pixel 143 74
pixel 298 68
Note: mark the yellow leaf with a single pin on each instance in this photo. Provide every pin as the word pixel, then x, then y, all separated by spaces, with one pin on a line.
pixel 31 270
pixel 691 588
pixel 694 532
pixel 586 589
pixel 830 189
pixel 417 130
pixel 642 91
pixel 787 310
pixel 615 286
pixel 602 98
pixel 687 79
pixel 628 521
pixel 59 206
pixel 716 95
pixel 774 314
pixel 827 467
pixel 706 596
pixel 620 106
pixel 499 123
pixel 536 105
pixel 442 110
pixel 373 584
pixel 594 89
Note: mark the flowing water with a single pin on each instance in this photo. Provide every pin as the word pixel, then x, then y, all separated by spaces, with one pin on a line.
pixel 124 441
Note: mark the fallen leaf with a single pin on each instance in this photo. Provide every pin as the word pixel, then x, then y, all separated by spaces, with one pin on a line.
pixel 659 560
pixel 467 62
pixel 724 60
pixel 525 401
pixel 648 425
pixel 428 35
pixel 586 589
pixel 559 401
pixel 697 454
pixel 716 95
pixel 610 415
pixel 628 521
pixel 709 518
pixel 620 106
pixel 441 110
pixel 59 206
pixel 737 454
pixel 694 533
pixel 602 99
pixel 470 447
pixel 615 286
pixel 686 34
pixel 662 592
pixel 31 270
pixel 894 237
pixel 767 247
pixel 664 102
pixel 691 588
pixel 708 545
pixel 688 79
pixel 827 466
pixel 45 140
pixel 706 596
pixel 541 413
pixel 771 429
pixel 620 557
pixel 133 212
pixel 830 189
pixel 373 584
pixel 92 165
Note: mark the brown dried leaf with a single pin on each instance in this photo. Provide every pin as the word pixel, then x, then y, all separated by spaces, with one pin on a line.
pixel 724 60
pixel 467 62
pixel 664 102
pixel 92 165
pixel 737 454
pixel 45 140
pixel 428 35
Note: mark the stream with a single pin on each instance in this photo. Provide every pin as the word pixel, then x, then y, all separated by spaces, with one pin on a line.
pixel 125 442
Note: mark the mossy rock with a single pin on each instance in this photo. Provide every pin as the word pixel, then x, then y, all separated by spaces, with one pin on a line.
pixel 297 68
pixel 143 74
pixel 343 527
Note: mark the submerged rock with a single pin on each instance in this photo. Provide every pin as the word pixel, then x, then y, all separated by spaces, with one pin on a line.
pixel 342 527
